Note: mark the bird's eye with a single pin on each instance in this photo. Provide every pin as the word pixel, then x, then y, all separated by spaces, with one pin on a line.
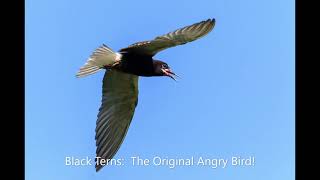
pixel 165 66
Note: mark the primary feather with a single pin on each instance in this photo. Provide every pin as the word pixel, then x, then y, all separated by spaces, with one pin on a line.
pixel 177 37
pixel 119 99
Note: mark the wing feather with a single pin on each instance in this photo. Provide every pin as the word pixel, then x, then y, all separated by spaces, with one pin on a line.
pixel 120 96
pixel 171 39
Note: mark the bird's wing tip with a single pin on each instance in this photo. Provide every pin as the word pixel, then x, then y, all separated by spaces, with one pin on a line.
pixel 98 167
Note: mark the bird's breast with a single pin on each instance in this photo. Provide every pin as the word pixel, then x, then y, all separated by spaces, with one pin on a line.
pixel 137 65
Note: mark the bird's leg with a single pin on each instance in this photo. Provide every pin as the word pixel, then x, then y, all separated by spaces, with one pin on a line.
pixel 115 64
pixel 112 65
pixel 107 66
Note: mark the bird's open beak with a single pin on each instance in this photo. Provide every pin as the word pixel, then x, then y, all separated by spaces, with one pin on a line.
pixel 170 74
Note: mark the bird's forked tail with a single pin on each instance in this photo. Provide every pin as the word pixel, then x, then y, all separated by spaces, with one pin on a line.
pixel 102 56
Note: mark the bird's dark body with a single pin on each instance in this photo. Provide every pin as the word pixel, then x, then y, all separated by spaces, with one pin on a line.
pixel 140 65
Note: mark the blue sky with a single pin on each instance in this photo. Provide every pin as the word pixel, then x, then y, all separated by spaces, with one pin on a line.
pixel 235 96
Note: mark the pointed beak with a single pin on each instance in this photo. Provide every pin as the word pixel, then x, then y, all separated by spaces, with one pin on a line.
pixel 170 74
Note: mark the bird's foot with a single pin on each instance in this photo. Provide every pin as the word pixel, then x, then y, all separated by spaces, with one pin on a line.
pixel 115 64
pixel 112 65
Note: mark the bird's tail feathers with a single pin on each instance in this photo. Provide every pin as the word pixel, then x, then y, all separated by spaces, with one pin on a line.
pixel 102 56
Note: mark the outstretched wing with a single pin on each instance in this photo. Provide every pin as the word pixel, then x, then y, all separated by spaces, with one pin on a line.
pixel 120 97
pixel 178 37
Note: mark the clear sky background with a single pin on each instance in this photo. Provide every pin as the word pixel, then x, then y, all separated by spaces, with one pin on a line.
pixel 235 97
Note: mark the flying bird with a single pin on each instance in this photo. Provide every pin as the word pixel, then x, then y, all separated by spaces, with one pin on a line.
pixel 120 82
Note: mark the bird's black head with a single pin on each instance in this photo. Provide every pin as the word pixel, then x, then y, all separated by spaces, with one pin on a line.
pixel 163 69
